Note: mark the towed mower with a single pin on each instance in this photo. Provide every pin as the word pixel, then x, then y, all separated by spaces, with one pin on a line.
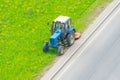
pixel 63 34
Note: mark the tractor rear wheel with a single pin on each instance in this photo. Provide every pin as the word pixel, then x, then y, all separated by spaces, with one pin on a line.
pixel 70 38
pixel 60 50
pixel 45 47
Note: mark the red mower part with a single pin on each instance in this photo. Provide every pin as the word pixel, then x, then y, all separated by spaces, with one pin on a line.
pixel 77 35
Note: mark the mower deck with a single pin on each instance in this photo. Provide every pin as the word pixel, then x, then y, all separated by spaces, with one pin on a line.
pixel 77 35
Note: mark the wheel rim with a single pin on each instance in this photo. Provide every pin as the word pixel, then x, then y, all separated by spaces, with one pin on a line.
pixel 71 39
pixel 62 50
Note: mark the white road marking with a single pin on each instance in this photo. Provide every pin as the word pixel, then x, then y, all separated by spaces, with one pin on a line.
pixel 101 29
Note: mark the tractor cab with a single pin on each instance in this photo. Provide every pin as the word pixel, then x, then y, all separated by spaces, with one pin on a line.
pixel 58 26
pixel 62 23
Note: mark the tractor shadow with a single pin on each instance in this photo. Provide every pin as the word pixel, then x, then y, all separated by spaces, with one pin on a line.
pixel 52 51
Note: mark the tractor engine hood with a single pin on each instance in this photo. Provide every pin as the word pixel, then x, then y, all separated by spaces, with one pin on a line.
pixel 54 38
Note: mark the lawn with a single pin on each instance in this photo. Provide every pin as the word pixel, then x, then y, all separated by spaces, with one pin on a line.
pixel 24 29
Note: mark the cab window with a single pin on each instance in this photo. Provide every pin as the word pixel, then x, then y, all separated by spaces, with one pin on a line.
pixel 69 23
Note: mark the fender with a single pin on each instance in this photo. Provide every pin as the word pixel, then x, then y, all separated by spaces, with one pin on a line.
pixel 71 29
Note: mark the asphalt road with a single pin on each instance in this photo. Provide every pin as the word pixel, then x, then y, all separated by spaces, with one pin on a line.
pixel 99 58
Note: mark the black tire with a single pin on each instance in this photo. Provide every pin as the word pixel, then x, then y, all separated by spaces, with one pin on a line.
pixel 45 47
pixel 60 50
pixel 70 39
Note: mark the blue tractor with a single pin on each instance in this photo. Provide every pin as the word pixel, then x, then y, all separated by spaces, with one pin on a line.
pixel 62 34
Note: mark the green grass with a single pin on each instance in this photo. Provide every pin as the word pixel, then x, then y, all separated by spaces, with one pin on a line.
pixel 23 31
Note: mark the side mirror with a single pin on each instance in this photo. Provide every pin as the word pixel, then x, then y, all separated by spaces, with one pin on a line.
pixel 48 24
pixel 50 31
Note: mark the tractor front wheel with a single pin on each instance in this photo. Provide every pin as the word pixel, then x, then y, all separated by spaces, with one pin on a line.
pixel 70 38
pixel 45 47
pixel 60 50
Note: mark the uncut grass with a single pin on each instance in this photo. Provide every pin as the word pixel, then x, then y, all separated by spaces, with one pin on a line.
pixel 23 31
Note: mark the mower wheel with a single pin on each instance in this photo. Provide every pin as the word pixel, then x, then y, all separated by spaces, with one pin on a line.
pixel 45 47
pixel 60 50
pixel 70 38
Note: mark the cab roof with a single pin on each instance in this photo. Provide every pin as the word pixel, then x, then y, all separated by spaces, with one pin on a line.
pixel 62 19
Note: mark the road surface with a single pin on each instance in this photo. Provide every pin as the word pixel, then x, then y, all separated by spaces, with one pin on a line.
pixel 99 58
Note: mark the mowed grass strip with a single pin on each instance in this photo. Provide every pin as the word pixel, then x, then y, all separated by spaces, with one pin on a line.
pixel 23 31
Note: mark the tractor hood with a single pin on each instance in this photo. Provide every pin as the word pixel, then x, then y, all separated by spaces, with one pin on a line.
pixel 54 38
pixel 56 34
